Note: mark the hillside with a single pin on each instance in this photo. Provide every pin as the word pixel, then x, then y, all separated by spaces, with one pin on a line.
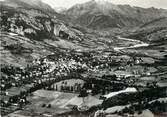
pixel 29 33
pixel 35 5
pixel 152 32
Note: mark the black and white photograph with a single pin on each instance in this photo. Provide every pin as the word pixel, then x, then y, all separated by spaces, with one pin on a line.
pixel 83 58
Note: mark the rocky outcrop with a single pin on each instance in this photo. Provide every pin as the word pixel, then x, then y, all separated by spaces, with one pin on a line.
pixel 36 25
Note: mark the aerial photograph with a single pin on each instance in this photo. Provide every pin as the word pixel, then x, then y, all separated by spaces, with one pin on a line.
pixel 83 58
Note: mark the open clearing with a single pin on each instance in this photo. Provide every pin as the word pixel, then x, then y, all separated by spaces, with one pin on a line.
pixel 60 102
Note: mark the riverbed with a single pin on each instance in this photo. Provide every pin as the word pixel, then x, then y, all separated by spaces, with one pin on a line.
pixel 139 43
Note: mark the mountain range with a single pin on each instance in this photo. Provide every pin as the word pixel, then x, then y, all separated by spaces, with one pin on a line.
pixel 32 29
pixel 103 14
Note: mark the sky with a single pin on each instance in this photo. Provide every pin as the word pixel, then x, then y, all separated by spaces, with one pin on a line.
pixel 140 3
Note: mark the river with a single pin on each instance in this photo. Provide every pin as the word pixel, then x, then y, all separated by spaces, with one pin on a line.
pixel 141 44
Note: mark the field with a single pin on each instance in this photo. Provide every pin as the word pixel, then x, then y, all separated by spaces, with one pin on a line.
pixel 60 102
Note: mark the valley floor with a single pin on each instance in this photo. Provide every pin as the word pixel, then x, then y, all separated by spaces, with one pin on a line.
pixel 77 82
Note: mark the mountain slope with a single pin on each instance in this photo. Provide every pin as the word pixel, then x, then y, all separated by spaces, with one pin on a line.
pixel 159 22
pixel 29 33
pixel 97 14
pixel 36 4
pixel 154 32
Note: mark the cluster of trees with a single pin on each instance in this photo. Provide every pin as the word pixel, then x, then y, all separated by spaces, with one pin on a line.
pixel 70 88
pixel 139 101
pixel 48 106
pixel 102 86
pixel 155 107
pixel 17 99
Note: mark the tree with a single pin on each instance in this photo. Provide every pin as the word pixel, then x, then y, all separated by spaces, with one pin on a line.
pixel 49 106
pixel 56 87
pixel 83 93
pixel 72 88
pixel 43 105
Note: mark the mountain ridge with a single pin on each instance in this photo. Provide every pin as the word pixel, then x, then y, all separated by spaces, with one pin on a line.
pixel 120 15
